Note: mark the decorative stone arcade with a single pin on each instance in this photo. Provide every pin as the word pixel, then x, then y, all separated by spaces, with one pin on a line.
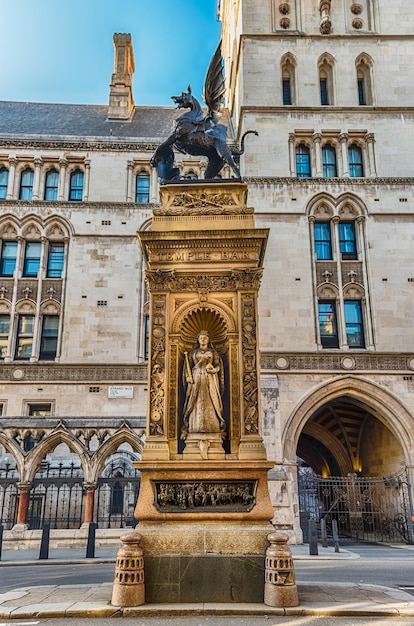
pixel 204 488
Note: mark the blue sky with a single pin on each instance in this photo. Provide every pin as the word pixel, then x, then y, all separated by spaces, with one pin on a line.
pixel 62 51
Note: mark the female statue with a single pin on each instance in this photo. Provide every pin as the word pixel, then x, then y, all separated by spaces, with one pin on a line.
pixel 203 374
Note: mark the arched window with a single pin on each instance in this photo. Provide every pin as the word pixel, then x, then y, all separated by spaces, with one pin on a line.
pixel 51 185
pixel 329 161
pixel 355 161
pixel 364 80
pixel 26 184
pixel 288 68
pixel 76 185
pixel 303 163
pixel 4 179
pixel 142 188
pixel 326 82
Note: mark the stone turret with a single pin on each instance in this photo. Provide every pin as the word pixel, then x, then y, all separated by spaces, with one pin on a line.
pixel 121 102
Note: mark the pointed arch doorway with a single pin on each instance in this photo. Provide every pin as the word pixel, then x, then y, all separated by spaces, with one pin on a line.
pixel 351 468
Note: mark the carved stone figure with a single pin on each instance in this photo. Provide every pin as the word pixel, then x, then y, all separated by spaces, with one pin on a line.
pixel 204 377
pixel 199 134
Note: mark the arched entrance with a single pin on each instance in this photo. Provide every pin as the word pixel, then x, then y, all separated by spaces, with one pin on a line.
pixel 352 457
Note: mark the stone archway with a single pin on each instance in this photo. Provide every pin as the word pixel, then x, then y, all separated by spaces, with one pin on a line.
pixel 352 443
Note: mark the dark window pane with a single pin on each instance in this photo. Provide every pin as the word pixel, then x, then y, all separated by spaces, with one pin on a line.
pixel 355 161
pixel 26 185
pixel 361 91
pixel 303 169
pixel 324 91
pixel 49 339
pixel 40 410
pixel 55 260
pixel 147 330
pixel 322 237
pixel 8 258
pixel 329 161
pixel 287 93
pixel 353 324
pixel 4 179
pixel 142 188
pixel 51 185
pixel 327 324
pixel 347 240
pixel 32 258
pixel 76 186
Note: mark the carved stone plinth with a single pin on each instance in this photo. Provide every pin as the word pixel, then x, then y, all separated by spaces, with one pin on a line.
pixel 206 446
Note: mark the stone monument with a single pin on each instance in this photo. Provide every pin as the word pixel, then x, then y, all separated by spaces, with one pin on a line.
pixel 204 487
pixel 204 509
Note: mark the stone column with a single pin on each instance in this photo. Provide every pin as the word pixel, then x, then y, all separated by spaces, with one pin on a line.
pixel 343 140
pixel 292 160
pixel 317 138
pixel 369 138
pixel 36 179
pixel 89 502
pixel 12 175
pixel 87 179
pixel 130 181
pixel 63 164
pixel 24 491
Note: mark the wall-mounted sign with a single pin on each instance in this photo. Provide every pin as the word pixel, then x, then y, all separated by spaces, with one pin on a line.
pixel 121 391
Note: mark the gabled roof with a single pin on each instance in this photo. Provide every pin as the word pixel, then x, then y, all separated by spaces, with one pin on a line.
pixel 85 120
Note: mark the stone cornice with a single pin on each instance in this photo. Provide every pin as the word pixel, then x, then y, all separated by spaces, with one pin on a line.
pixel 355 36
pixel 338 362
pixel 324 110
pixel 79 144
pixel 30 205
pixel 55 372
pixel 326 182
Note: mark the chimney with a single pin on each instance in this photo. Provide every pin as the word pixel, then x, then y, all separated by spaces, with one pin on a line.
pixel 121 102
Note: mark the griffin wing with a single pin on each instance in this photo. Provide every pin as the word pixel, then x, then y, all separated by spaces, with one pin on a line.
pixel 214 84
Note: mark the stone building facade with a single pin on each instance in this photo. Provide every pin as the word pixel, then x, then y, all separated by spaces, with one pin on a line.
pixel 329 88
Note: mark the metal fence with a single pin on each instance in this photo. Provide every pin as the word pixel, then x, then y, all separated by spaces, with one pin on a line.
pixel 366 509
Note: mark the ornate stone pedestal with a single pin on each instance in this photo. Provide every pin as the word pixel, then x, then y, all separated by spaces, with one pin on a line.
pixel 204 488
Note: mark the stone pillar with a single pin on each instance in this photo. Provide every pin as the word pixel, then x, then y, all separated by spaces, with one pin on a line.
pixel 12 174
pixel 292 160
pixel 87 179
pixel 343 140
pixel 89 502
pixel 129 588
pixel 63 164
pixel 121 102
pixel 24 490
pixel 130 182
pixel 369 138
pixel 317 138
pixel 280 583
pixel 36 179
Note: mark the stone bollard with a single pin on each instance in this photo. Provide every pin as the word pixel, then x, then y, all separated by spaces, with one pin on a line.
pixel 129 588
pixel 280 584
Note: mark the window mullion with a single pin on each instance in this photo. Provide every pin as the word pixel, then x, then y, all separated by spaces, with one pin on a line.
pixel 340 300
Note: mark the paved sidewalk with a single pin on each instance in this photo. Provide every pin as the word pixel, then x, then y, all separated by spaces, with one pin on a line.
pixel 316 599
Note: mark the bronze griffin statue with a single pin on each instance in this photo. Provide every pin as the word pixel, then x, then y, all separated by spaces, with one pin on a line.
pixel 198 133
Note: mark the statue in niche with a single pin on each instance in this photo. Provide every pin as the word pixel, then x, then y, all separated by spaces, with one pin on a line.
pixel 198 132
pixel 204 380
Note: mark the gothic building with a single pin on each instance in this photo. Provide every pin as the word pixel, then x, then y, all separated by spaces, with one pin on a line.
pixel 329 88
